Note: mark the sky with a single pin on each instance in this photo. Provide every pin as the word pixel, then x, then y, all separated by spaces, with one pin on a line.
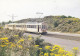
pixel 22 9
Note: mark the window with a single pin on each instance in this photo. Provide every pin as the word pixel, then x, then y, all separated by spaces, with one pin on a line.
pixel 34 26
pixel 27 26
pixel 31 26
pixel 18 26
pixel 10 25
pixel 43 27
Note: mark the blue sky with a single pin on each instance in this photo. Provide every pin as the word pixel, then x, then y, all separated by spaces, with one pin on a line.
pixel 28 8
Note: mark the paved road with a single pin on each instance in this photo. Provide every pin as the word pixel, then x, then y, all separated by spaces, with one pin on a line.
pixel 60 39
pixel 68 44
pixel 66 34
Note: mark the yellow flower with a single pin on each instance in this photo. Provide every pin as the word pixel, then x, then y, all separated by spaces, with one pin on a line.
pixel 6 43
pixel 29 35
pixel 47 47
pixel 5 38
pixel 20 46
pixel 16 35
pixel 41 54
pixel 69 53
pixel 75 48
pixel 27 49
pixel 56 47
pixel 29 38
pixel 51 54
pixel 61 51
pixel 52 49
pixel 57 54
pixel 10 42
pixel 36 46
pixel 46 54
pixel 40 48
pixel 21 40
pixel 12 45
pixel 2 45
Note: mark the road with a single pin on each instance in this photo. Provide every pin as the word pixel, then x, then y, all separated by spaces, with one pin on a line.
pixel 67 41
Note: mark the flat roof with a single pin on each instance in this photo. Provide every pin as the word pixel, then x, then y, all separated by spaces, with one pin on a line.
pixel 28 23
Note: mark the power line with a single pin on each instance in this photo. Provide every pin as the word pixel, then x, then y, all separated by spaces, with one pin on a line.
pixel 39 13
pixel 12 17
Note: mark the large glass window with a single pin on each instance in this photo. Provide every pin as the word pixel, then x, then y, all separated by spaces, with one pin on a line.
pixel 43 27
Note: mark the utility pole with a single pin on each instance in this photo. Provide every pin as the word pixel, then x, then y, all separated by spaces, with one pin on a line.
pixel 13 17
pixel 12 20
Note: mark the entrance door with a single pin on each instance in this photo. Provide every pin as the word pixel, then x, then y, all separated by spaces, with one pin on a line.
pixel 38 28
